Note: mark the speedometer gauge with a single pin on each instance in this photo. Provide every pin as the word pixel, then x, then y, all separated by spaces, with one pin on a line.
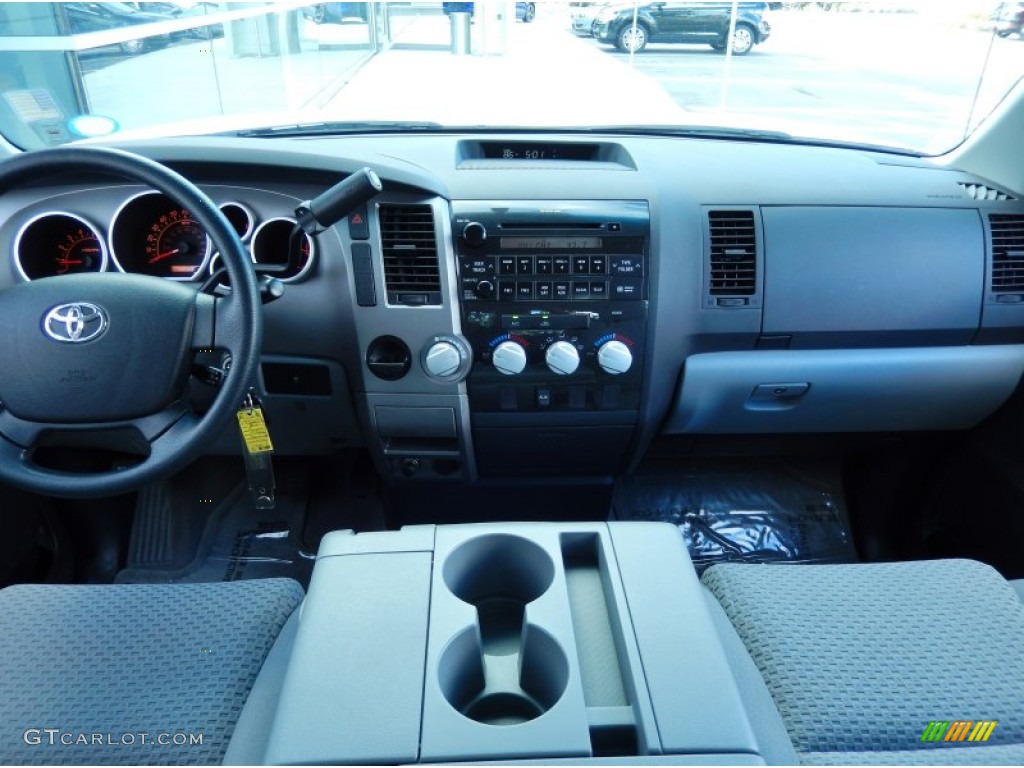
pixel 151 235
pixel 58 243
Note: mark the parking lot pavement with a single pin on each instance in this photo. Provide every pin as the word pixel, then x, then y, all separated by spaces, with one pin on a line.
pixel 894 80
pixel 556 79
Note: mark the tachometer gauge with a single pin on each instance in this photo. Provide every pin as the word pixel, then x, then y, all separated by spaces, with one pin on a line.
pixel 58 243
pixel 151 235
pixel 270 246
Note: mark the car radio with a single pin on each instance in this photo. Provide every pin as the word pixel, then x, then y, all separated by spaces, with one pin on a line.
pixel 554 303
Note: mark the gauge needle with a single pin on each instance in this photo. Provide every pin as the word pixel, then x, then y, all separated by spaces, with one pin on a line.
pixel 165 255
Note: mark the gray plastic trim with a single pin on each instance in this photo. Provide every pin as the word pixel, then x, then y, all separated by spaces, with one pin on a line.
pixel 353 686
pixel 694 694
pixel 854 390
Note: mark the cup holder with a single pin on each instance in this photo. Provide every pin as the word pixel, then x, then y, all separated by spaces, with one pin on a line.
pixel 507 689
pixel 498 567
pixel 510 671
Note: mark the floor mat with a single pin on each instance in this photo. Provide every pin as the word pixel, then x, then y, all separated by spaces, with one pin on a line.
pixel 744 511
pixel 239 542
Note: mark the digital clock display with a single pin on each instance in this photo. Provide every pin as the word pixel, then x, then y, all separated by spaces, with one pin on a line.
pixel 530 150
pixel 550 243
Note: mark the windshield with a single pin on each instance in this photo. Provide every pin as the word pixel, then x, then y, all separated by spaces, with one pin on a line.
pixel 911 76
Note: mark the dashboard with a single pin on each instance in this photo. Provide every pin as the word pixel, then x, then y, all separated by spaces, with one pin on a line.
pixel 547 304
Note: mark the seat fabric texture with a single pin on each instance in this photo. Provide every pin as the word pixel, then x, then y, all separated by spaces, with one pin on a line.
pixel 105 664
pixel 1019 586
pixel 860 658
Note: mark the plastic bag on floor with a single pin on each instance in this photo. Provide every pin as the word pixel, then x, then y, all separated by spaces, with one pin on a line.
pixel 766 514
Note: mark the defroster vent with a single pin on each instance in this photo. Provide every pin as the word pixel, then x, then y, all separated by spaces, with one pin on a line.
pixel 733 253
pixel 409 245
pixel 1007 252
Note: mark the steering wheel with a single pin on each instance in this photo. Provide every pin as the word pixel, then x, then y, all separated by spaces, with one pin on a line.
pixel 103 359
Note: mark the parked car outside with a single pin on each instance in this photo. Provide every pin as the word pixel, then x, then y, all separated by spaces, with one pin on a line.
pixel 685 22
pixel 583 15
pixel 94 17
pixel 336 13
pixel 525 12
pixel 181 10
pixel 1010 19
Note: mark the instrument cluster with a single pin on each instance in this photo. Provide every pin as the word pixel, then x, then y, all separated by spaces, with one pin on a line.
pixel 150 234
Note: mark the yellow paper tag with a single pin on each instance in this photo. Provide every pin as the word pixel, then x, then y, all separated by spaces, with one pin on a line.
pixel 254 431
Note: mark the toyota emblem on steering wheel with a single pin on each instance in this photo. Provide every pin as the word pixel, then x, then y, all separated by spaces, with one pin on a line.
pixel 75 323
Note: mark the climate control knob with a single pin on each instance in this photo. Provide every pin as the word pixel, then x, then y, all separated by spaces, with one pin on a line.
pixel 562 358
pixel 509 358
pixel 614 357
pixel 442 359
pixel 474 234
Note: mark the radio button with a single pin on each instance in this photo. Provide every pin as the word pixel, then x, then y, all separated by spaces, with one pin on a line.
pixel 524 291
pixel 580 291
pixel 543 265
pixel 562 291
pixel 506 290
pixel 506 265
pixel 581 265
pixel 599 290
pixel 598 265
pixel 544 291
pixel 479 266
pixel 524 265
pixel 626 288
pixel 562 264
pixel 627 265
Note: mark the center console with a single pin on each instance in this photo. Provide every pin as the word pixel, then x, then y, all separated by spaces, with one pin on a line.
pixel 554 303
pixel 521 641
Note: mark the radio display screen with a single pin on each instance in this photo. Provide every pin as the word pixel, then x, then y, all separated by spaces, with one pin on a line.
pixel 550 243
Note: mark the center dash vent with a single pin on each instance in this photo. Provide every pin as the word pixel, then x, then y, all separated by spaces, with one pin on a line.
pixel 1007 252
pixel 732 258
pixel 409 248
pixel 981 192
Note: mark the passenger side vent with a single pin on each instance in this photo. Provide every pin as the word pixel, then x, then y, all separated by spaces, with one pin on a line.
pixel 1007 252
pixel 732 258
pixel 409 245
pixel 981 192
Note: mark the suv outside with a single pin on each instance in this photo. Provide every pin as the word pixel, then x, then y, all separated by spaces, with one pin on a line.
pixel 1010 19
pixel 686 22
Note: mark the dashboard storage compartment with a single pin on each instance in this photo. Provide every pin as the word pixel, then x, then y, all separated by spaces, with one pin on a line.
pixel 844 390
pixel 544 641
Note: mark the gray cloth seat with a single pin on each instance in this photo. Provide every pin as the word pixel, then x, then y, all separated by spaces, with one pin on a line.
pixel 859 659
pixel 105 664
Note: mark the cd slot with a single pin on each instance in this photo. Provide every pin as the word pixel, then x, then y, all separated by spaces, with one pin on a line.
pixel 562 225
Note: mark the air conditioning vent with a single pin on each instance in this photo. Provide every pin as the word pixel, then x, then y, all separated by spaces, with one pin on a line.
pixel 1007 252
pixel 733 253
pixel 409 244
pixel 981 192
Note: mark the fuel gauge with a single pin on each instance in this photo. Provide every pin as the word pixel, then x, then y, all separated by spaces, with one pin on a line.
pixel 58 243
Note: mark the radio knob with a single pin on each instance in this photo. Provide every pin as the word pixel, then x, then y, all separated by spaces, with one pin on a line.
pixel 562 358
pixel 484 289
pixel 442 360
pixel 509 358
pixel 614 357
pixel 474 234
